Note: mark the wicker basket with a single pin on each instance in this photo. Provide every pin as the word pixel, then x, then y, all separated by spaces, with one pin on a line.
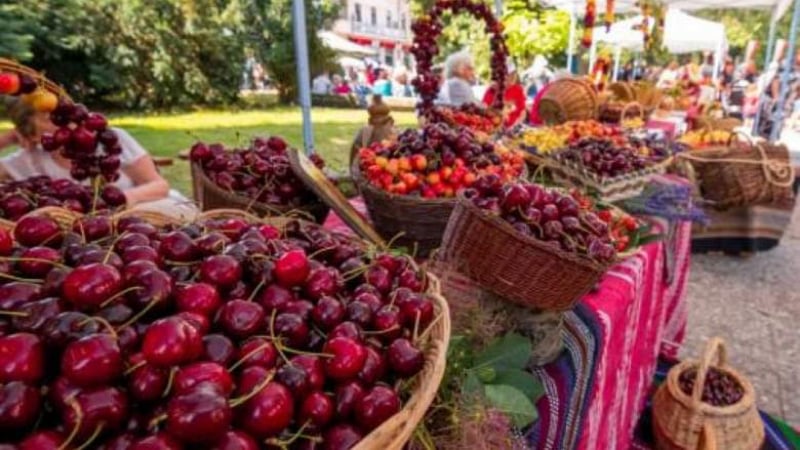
pixel 744 174
pixel 613 113
pixel 7 65
pixel 152 217
pixel 519 268
pixel 568 99
pixel 411 222
pixel 64 217
pixel 210 196
pixel 679 419
pixel 622 91
pixel 610 190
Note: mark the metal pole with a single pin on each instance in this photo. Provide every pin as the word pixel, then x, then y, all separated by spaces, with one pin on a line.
pixel 303 76
pixel 788 65
pixel 498 8
pixel 617 57
pixel 571 38
pixel 767 60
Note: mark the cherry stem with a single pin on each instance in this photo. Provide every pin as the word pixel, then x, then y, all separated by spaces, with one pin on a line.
pixel 103 322
pixel 157 420
pixel 428 330
pixel 35 260
pixel 321 251
pixel 96 185
pixel 138 315
pixel 355 273
pixel 275 340
pixel 238 401
pixel 79 419
pixel 300 352
pixel 134 367
pixel 93 437
pixel 414 335
pixel 14 314
pixel 119 294
pixel 285 444
pixel 244 358
pixel 394 238
pixel 111 246
pixel 170 380
pixel 256 290
pixel 20 279
pixel 378 333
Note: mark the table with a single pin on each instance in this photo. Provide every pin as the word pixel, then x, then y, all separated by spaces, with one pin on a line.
pixel 598 387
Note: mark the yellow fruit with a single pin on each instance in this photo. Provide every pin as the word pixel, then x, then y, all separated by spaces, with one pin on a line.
pixel 43 100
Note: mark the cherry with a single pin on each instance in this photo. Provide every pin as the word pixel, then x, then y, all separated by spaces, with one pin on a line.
pixel 93 228
pixel 99 255
pixel 391 263
pixel 132 270
pixel 376 407
pixel 92 361
pixel 178 246
pixel 105 408
pixel 35 314
pixel 140 253
pixel 411 279
pixel 275 298
pixel 404 358
pixel 268 412
pixel 341 437
pixel 374 367
pixel 21 358
pixel 200 322
pixel 201 298
pixel 295 379
pixel 150 289
pixel 221 270
pixel 388 322
pixel 14 294
pixel 241 318
pixel 68 326
pixel 347 330
pixel 292 268
pixel 233 227
pixel 258 351
pixel 301 308
pixel 42 440
pixel 160 441
pixel 314 369
pixel 146 383
pixel 293 328
pixel 121 442
pixel 205 373
pixel 327 313
pixel 515 196
pixel 235 440
pixel 347 396
pixel 219 349
pixel 250 378
pixel 36 262
pixel 19 405
pixel 201 415
pixel 379 277
pixel 32 231
pixel 91 285
pixel 6 242
pixel 322 282
pixel 359 313
pixel 348 358
pixel 317 409
pixel 212 243
pixel 417 309
pixel 171 341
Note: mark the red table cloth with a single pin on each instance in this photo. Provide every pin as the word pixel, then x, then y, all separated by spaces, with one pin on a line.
pixel 598 387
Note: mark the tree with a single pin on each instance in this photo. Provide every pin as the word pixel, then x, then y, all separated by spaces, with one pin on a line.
pixel 15 36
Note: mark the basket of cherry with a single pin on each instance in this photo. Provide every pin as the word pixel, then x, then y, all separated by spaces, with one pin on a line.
pixel 477 118
pixel 611 169
pixel 409 185
pixel 537 247
pixel 227 332
pixel 259 179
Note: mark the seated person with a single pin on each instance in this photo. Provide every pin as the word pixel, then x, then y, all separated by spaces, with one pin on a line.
pixel 380 126
pixel 143 186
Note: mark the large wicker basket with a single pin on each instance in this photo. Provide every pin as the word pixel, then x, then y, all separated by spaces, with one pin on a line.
pixel 519 268
pixel 406 221
pixel 568 99
pixel 622 91
pixel 744 174
pixel 679 420
pixel 210 196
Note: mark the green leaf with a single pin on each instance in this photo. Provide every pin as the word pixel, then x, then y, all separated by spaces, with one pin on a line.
pixel 486 374
pixel 472 384
pixel 512 351
pixel 526 382
pixel 647 239
pixel 512 402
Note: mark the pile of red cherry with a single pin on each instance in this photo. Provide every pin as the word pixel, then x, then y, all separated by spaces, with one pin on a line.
pixel 220 334
pixel 556 218
pixel 427 29
pixel 18 198
pixel 262 171
pixel 85 139
pixel 604 157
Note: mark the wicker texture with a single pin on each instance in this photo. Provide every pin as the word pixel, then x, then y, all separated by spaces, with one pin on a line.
pixel 210 196
pixel 568 99
pixel 519 268
pixel 395 432
pixel 622 91
pixel 407 221
pixel 609 190
pixel 613 112
pixel 153 217
pixel 679 420
pixel 744 174
pixel 64 217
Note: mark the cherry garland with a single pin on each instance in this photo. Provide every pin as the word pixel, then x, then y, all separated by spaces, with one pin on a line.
pixel 588 23
pixel 609 17
pixel 427 29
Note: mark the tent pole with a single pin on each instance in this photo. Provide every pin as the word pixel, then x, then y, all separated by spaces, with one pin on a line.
pixel 498 8
pixel 303 76
pixel 718 60
pixel 592 55
pixel 571 38
pixel 788 65
pixel 767 60
pixel 617 57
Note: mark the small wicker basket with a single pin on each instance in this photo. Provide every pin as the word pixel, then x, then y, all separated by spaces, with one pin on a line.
pixel 210 196
pixel 568 99
pixel 7 65
pixel 614 113
pixel 520 268
pixel 744 174
pixel 622 91
pixel 679 420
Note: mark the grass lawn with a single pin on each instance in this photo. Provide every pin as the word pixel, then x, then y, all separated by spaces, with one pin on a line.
pixel 167 134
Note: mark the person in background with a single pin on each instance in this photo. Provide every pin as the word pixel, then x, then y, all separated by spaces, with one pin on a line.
pixel 383 85
pixel 459 76
pixel 322 84
pixel 380 126
pixel 139 179
pixel 707 68
pixel 626 74
pixel 340 86
pixel 401 86
pixel 669 76
pixel 513 99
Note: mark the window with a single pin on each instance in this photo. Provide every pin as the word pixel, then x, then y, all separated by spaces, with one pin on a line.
pixel 358 12
pixel 389 19
pixel 373 16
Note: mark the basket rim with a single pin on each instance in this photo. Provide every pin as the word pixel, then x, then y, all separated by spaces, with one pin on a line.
pixel 671 384
pixel 364 184
pixel 507 229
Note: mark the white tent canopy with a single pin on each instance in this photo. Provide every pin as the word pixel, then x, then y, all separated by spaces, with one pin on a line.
pixel 345 46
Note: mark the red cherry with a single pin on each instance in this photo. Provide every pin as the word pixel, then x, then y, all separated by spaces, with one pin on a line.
pixel 160 441
pixel 317 410
pixel 178 246
pixel 95 122
pixel 267 413
pixel 92 361
pixel 235 440
pixel 347 396
pixel 341 437
pixel 292 268
pixel 379 277
pixel 241 318
pixel 6 242
pixel 105 407
pixel 93 228
pixel 42 440
pixel 198 297
pixel 293 328
pixel 347 330
pixel 221 270
pixel 201 415
pixel 219 349
pixel 258 352
pixel 377 407
pixel 322 282
pixel 374 367
pixel 19 405
pixel 207 373
pixel 348 358
pixel 275 298
pixel 37 262
pixel 388 322
pixel 32 231
pixel 91 285
pixel 417 309
pixel 314 369
pixel 328 313
pixel 404 358
pixel 147 382
pixel 171 341
pixel 21 358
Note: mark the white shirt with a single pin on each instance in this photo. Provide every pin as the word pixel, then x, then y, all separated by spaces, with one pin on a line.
pixel 456 92
pixel 321 85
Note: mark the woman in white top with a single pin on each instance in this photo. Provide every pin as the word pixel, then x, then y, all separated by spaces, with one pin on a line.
pixel 669 76
pixel 459 78
pixel 139 179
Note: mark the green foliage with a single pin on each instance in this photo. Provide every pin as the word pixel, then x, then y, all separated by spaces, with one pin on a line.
pixel 15 38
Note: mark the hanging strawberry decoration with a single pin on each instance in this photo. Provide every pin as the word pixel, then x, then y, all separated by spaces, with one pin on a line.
pixel 588 23
pixel 609 17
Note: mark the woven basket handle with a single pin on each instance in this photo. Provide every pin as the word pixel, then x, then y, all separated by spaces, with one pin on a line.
pixel 735 134
pixel 708 439
pixel 627 107
pixel 715 349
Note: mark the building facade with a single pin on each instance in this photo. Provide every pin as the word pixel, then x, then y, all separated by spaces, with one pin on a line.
pixel 382 24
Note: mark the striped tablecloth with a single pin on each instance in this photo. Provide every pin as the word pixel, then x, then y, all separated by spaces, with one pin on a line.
pixel 598 387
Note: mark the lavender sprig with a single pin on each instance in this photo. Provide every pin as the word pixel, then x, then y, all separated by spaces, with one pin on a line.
pixel 670 201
